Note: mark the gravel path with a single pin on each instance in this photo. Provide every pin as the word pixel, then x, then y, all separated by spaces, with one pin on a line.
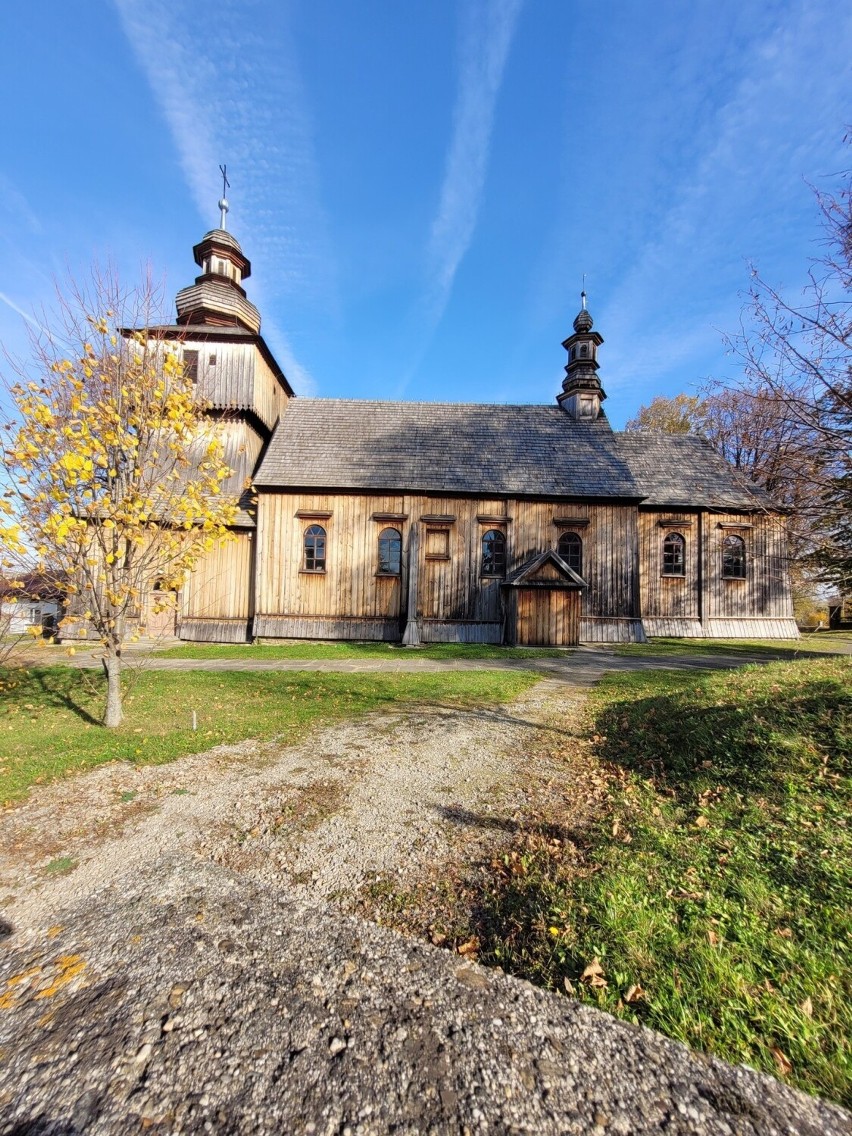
pixel 367 796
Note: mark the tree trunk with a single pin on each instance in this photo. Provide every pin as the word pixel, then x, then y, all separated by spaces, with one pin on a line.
pixel 113 713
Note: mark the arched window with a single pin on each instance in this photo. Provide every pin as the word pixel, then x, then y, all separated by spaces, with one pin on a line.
pixel 570 548
pixel 315 549
pixel 494 553
pixel 584 350
pixel 390 552
pixel 733 558
pixel 674 555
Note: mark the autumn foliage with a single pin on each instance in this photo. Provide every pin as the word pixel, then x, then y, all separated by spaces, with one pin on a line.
pixel 114 473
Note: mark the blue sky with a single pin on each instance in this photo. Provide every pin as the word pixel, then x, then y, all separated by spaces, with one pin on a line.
pixel 420 187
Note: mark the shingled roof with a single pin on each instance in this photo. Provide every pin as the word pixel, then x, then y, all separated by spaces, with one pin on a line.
pixel 435 447
pixel 680 470
pixel 479 448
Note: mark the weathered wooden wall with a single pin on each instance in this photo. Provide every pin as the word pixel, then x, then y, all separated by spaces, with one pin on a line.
pixel 669 597
pixel 703 602
pixel 217 601
pixel 761 605
pixel 454 602
pixel 610 604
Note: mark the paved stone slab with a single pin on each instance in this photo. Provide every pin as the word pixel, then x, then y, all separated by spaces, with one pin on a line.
pixel 187 1000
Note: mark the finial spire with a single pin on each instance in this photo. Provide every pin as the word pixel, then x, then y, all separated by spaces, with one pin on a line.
pixel 223 201
pixel 582 394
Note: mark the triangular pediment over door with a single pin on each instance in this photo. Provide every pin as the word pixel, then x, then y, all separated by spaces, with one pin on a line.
pixel 548 569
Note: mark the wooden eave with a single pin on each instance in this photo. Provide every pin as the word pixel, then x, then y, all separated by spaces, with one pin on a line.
pixel 520 578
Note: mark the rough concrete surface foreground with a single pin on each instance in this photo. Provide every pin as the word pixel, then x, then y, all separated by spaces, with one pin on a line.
pixel 184 998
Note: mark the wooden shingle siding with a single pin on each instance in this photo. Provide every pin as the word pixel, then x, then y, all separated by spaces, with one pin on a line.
pixel 241 379
pixel 215 630
pixel 600 629
pixel 460 631
pixel 751 628
pixel 305 627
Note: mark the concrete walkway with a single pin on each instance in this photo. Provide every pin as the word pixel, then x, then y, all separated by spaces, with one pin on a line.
pixel 582 666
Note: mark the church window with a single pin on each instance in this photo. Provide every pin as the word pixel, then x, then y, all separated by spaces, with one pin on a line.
pixel 315 549
pixel 733 558
pixel 390 552
pixel 573 353
pixel 674 555
pixel 494 553
pixel 190 365
pixel 570 548
pixel 584 350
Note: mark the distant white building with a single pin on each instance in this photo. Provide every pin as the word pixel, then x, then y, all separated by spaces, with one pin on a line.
pixel 36 603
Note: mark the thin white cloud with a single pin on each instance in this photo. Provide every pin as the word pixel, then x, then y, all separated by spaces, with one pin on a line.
pixel 31 320
pixel 235 96
pixel 776 125
pixel 15 205
pixel 486 36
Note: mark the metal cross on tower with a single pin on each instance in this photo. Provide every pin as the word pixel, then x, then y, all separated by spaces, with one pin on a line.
pixel 223 203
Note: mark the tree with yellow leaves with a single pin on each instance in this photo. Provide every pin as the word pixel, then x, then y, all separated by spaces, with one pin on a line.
pixel 114 473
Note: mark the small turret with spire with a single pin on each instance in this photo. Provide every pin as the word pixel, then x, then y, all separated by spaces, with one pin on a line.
pixel 217 297
pixel 582 393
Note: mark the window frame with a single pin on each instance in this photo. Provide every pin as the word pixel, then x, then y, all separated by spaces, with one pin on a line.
pixel 669 567
pixel 497 559
pixel 575 541
pixel 319 566
pixel 384 538
pixel 734 557
pixel 434 531
pixel 190 360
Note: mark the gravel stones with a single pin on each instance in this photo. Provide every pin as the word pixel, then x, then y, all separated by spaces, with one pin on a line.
pixel 316 1022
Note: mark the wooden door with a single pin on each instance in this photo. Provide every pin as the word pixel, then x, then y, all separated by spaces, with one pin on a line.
pixel 548 617
pixel 161 624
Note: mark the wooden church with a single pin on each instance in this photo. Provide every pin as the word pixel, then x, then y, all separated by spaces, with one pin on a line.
pixel 420 522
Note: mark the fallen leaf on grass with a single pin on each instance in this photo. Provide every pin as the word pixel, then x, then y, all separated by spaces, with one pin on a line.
pixel 782 1062
pixel 702 822
pixel 713 938
pixel 593 975
pixel 807 1007
pixel 468 948
pixel 784 932
pixel 634 993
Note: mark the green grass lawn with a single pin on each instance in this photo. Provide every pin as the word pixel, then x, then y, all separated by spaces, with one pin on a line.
pixel 347 650
pixel 815 643
pixel 714 890
pixel 49 715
